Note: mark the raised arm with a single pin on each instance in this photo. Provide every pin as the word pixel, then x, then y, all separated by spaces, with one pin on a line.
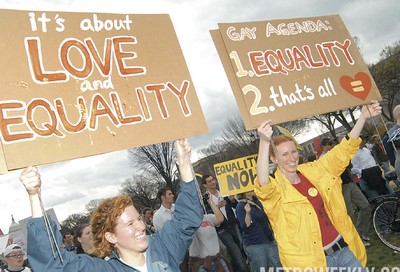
pixel 265 133
pixel 183 150
pixel 175 237
pixel 43 256
pixel 219 217
pixel 30 178
pixel 367 111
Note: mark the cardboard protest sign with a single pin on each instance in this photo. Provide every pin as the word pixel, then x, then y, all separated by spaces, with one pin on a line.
pixel 78 84
pixel 289 69
pixel 236 176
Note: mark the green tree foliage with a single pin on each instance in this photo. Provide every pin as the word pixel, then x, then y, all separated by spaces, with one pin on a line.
pixel 386 74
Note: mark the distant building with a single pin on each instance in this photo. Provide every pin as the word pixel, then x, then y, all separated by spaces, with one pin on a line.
pixel 14 227
pixel 313 147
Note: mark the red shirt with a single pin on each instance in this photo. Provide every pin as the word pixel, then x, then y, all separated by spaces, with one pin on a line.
pixel 328 230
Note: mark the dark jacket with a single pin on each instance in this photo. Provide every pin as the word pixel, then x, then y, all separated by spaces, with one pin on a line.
pixel 259 231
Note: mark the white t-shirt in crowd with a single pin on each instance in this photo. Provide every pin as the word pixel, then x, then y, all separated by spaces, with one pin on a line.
pixel 162 214
pixel 205 241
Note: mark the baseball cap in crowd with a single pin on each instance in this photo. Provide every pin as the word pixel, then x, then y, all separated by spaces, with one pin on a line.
pixel 11 248
pixel 326 141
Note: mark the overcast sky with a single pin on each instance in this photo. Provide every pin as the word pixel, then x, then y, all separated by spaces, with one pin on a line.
pixel 69 186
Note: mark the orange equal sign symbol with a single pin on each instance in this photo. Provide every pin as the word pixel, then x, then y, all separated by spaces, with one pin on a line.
pixel 357 86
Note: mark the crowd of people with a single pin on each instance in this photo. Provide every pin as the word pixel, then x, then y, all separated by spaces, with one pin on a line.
pixel 303 215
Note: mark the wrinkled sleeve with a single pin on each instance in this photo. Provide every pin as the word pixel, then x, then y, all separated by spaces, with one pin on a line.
pixel 41 257
pixel 336 160
pixel 171 243
pixel 269 196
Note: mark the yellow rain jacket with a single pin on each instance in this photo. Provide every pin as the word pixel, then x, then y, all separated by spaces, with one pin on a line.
pixel 293 218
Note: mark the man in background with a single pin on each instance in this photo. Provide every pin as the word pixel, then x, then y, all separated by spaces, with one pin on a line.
pixel 68 242
pixel 380 155
pixel 164 213
pixel 148 219
pixel 326 145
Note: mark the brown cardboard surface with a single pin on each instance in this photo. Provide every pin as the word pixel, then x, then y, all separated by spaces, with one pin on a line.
pixel 220 46
pixel 89 83
pixel 293 68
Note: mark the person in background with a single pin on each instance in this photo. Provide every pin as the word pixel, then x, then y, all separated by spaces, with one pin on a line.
pixel 205 253
pixel 68 242
pixel 167 208
pixel 164 213
pixel 311 157
pixel 83 239
pixel 326 145
pixel 394 137
pixel 370 174
pixel 304 203
pixel 228 231
pixel 14 257
pixel 148 219
pixel 258 239
pixel 380 155
pixel 119 232
pixel 388 145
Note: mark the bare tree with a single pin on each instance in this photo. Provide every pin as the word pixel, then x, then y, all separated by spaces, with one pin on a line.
pixel 92 205
pixel 73 222
pixel 236 142
pixel 158 158
pixel 216 152
pixel 328 120
pixel 142 189
pixel 238 139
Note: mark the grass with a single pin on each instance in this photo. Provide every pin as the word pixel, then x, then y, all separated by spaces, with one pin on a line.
pixel 379 255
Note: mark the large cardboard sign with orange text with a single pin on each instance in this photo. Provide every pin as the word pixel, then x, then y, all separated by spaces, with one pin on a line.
pixel 78 84
pixel 289 69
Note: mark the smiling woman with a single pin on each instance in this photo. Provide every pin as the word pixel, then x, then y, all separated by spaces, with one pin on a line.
pixel 119 232
pixel 304 202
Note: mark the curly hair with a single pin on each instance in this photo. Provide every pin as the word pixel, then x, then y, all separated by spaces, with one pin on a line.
pixel 104 219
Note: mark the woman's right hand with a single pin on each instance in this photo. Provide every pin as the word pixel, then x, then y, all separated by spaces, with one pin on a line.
pixel 265 131
pixel 30 178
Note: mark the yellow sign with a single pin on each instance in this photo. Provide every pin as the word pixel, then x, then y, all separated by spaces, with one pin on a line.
pixel 236 176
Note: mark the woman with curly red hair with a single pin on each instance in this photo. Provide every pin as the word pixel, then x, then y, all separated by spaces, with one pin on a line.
pixel 119 232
